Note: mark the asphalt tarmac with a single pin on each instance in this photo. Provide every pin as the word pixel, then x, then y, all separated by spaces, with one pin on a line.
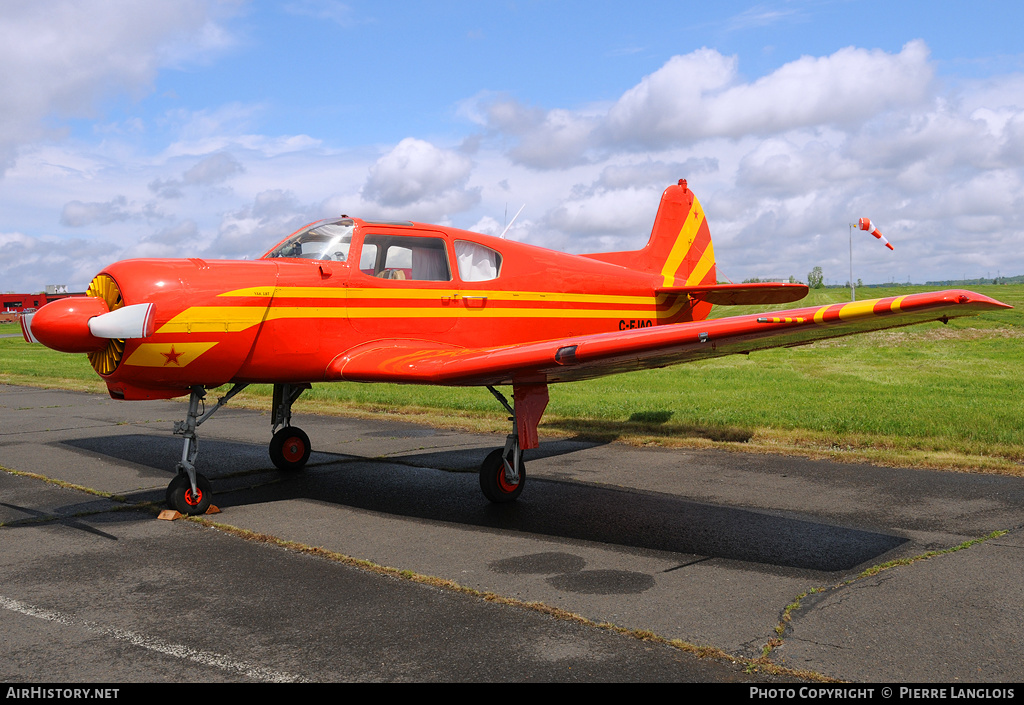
pixel 706 547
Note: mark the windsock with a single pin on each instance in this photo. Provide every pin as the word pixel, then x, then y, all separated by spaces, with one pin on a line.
pixel 866 224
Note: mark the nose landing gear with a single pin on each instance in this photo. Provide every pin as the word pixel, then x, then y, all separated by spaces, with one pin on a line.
pixel 190 492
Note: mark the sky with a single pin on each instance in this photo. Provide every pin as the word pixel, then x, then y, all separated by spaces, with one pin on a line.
pixel 214 128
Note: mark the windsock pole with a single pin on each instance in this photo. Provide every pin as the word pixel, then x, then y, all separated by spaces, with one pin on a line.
pixel 853 291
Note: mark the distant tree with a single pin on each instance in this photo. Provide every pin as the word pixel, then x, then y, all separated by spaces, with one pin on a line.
pixel 815 278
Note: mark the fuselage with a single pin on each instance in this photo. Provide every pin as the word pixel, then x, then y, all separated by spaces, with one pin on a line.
pixel 338 284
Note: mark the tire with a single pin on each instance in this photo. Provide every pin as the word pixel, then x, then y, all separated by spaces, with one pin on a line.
pixel 289 449
pixel 492 479
pixel 180 497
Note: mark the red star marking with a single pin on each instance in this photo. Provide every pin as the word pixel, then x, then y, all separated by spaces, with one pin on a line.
pixel 172 357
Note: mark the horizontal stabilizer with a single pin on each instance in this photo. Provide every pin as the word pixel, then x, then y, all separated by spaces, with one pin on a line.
pixel 757 294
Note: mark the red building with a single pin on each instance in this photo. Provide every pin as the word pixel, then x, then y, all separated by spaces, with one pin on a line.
pixel 11 305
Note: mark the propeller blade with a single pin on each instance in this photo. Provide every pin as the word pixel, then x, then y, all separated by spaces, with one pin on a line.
pixel 26 327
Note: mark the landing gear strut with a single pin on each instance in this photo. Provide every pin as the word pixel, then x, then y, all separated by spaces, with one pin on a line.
pixel 189 492
pixel 289 448
pixel 503 473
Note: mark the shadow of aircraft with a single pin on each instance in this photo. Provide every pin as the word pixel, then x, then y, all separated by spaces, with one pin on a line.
pixel 406 486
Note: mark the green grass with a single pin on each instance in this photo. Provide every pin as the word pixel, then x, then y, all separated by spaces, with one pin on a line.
pixel 934 395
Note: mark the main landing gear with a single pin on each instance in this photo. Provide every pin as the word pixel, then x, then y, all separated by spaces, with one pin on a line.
pixel 190 492
pixel 502 475
pixel 503 472
pixel 289 448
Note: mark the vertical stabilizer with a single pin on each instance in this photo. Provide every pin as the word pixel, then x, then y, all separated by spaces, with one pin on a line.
pixel 680 249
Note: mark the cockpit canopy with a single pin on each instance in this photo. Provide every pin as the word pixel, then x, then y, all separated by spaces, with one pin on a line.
pixel 324 240
pixel 418 255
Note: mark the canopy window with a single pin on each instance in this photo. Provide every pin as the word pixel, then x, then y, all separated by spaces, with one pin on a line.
pixel 409 258
pixel 325 240
pixel 477 263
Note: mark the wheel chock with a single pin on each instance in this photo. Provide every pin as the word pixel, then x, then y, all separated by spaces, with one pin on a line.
pixel 172 514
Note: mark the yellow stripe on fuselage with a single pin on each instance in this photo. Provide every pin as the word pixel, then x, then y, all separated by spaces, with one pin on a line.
pixel 167 354
pixel 459 312
pixel 212 319
pixel 313 292
pixel 441 303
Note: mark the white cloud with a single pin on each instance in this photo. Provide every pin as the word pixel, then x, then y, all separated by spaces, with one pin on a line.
pixel 695 96
pixel 28 263
pixel 561 139
pixel 620 213
pixel 255 228
pixel 417 171
pixel 698 96
pixel 654 173
pixel 60 57
pixel 77 214
pixel 211 170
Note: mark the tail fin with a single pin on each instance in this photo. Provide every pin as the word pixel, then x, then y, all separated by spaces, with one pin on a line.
pixel 680 247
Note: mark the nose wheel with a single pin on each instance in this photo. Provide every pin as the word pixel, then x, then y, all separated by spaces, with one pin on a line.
pixel 189 492
pixel 182 497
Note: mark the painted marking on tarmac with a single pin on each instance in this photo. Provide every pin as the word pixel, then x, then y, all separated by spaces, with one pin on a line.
pixel 205 658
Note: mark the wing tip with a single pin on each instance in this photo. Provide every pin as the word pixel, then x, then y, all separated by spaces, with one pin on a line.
pixel 963 296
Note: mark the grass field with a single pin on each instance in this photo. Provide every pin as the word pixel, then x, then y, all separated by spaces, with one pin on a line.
pixel 940 396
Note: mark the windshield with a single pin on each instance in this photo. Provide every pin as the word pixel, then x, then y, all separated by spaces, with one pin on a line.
pixel 328 239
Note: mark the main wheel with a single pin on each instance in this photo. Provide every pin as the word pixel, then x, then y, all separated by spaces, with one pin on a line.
pixel 181 497
pixel 493 482
pixel 289 448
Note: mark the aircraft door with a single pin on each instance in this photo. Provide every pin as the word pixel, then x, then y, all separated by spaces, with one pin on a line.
pixel 403 286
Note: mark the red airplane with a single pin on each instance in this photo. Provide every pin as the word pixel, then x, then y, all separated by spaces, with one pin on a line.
pixel 357 300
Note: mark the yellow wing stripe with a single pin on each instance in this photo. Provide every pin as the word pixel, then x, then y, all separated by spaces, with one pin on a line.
pixel 857 309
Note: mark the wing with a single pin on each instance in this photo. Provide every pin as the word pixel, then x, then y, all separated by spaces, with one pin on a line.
pixel 582 357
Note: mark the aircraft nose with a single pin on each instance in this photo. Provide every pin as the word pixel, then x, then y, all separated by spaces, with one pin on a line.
pixel 64 324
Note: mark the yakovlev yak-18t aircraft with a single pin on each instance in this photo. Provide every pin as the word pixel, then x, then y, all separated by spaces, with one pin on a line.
pixel 356 300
